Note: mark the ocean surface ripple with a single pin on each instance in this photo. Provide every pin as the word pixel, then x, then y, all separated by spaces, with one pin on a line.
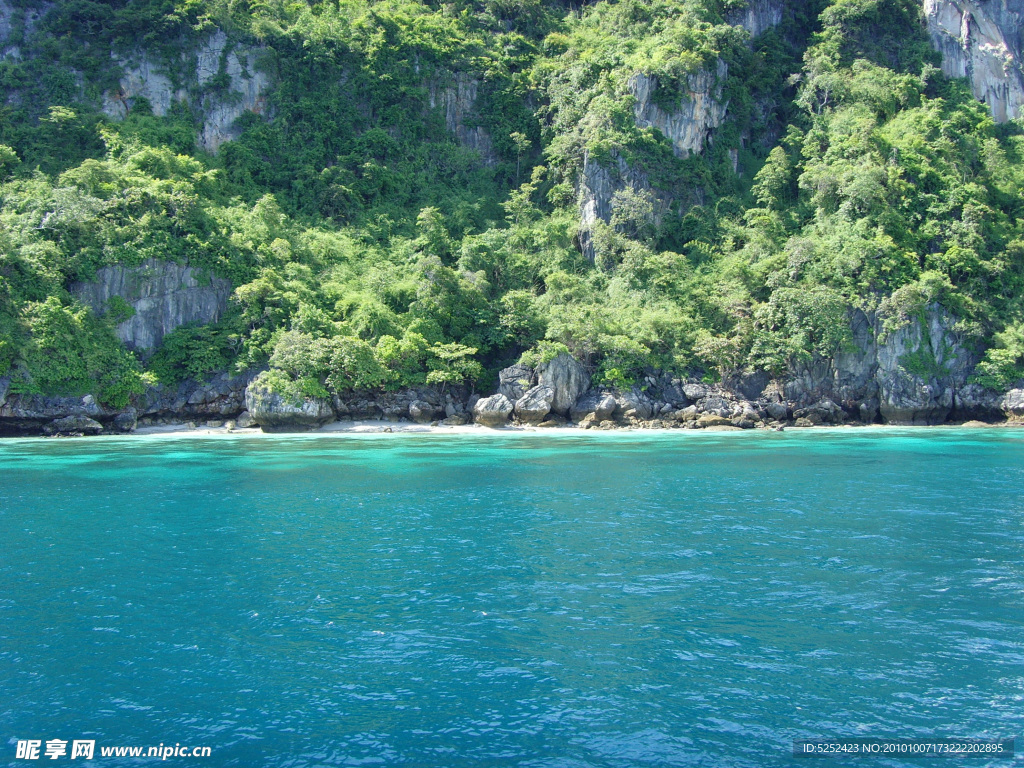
pixel 567 601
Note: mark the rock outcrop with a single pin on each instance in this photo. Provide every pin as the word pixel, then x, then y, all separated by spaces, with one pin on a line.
pixel 493 411
pixel 634 404
pixel 981 41
pixel 697 110
pixel 597 188
pixel 514 381
pixel 15 20
pixel 1012 404
pixel 598 406
pixel 420 404
pixel 73 425
pixel 223 396
pixel 246 89
pixel 907 376
pixel 226 85
pixel 421 411
pixel 567 378
pixel 275 412
pixel 163 294
pixel 535 404
pixel 759 16
pixel 457 101
pixel 142 78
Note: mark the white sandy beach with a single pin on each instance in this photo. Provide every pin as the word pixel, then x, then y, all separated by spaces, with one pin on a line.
pixel 367 427
pixel 354 427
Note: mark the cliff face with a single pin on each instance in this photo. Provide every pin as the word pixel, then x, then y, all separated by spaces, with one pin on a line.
pixel 597 187
pixel 14 22
pixel 688 125
pixel 759 16
pixel 457 100
pixel 697 111
pixel 164 295
pixel 981 41
pixel 222 84
pixel 914 375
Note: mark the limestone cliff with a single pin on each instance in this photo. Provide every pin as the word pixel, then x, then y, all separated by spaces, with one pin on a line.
pixel 15 22
pixel 597 187
pixel 456 97
pixel 912 375
pixel 222 82
pixel 697 109
pixel 163 294
pixel 759 16
pixel 981 41
pixel 696 112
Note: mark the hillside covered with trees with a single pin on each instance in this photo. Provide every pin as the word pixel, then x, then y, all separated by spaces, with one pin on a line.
pixel 423 193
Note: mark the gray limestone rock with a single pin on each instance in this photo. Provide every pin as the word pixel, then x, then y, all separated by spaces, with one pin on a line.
pixel 974 400
pixel 689 413
pixel 70 425
pixel 694 111
pixel 715 404
pixel 218 109
pixel 599 405
pixel 1013 403
pixel 275 412
pixel 421 411
pixel 126 421
pixel 163 294
pixel 919 367
pixel 515 380
pixel 694 392
pixel 906 375
pixel 493 411
pixel 535 404
pixel 634 404
pixel 568 380
pixel 981 41
pixel 713 420
pixel 247 88
pixel 759 16
pixel 699 108
pixel 457 99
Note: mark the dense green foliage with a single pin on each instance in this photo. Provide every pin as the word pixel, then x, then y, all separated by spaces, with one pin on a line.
pixel 370 249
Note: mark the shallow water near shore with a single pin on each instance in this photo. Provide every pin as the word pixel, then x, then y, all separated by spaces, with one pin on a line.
pixel 526 599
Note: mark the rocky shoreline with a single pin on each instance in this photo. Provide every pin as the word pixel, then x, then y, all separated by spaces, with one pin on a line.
pixel 557 393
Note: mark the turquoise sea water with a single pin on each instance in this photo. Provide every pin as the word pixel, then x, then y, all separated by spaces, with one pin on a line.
pixel 623 599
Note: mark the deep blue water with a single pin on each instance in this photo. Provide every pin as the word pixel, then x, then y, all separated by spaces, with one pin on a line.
pixel 623 599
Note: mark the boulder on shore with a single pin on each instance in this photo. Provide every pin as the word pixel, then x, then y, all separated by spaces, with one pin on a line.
pixel 634 404
pixel 1013 403
pixel 713 420
pixel 276 412
pixel 127 420
pixel 421 411
pixel 514 381
pixel 567 378
pixel 602 406
pixel 492 411
pixel 535 404
pixel 73 425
